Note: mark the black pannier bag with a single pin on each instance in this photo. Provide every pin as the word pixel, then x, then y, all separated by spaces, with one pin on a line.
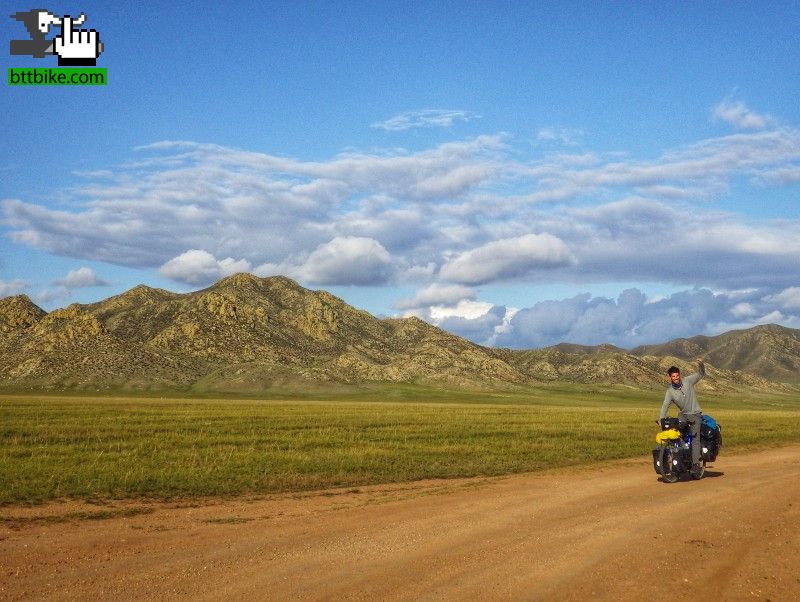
pixel 669 423
pixel 666 424
pixel 710 438
pixel 656 453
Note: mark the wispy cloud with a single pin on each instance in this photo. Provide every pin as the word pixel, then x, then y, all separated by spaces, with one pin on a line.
pixel 740 116
pixel 424 119
pixel 48 296
pixel 15 287
pixel 560 135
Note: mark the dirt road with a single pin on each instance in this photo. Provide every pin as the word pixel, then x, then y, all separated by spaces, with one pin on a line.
pixel 608 533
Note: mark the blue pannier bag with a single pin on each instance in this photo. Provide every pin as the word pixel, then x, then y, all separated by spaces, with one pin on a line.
pixel 710 422
pixel 709 429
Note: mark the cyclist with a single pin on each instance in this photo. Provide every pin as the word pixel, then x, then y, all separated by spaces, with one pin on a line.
pixel 681 392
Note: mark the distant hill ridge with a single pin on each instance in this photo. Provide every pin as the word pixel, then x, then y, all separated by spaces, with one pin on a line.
pixel 248 335
pixel 771 351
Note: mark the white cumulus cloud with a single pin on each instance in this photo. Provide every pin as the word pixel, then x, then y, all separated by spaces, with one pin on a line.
pixel 201 267
pixel 630 320
pixel 466 308
pixel 788 298
pixel 437 294
pixel 507 258
pixel 743 310
pixel 348 260
pixel 80 278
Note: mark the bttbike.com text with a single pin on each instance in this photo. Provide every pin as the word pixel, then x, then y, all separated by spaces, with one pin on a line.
pixel 57 77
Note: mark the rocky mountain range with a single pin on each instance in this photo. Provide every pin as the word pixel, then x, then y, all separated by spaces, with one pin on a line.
pixel 251 335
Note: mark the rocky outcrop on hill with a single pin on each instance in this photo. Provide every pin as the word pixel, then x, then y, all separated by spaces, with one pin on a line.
pixel 18 313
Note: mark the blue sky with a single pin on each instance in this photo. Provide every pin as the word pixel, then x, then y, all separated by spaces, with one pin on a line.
pixel 518 173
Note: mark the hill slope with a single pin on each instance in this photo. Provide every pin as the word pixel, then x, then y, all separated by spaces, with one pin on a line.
pixel 247 335
pixel 242 334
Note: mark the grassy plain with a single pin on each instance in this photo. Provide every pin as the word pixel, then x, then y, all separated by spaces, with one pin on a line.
pixel 94 448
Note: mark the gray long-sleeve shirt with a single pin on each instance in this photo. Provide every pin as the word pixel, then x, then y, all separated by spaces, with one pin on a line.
pixel 684 396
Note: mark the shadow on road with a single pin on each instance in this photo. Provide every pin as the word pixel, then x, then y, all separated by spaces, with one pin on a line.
pixel 686 478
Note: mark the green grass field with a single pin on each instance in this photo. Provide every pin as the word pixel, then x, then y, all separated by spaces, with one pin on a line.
pixel 90 448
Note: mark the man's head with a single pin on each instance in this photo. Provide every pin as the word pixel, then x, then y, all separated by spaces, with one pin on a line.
pixel 674 375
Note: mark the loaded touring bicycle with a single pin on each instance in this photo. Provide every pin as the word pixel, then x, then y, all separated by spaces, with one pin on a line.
pixel 672 456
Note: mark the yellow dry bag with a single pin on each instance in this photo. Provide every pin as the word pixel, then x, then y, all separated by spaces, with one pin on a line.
pixel 668 435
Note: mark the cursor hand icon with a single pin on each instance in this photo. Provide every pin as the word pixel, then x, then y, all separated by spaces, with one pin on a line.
pixel 77 47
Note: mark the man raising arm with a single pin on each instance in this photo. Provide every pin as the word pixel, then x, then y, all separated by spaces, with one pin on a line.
pixel 681 392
